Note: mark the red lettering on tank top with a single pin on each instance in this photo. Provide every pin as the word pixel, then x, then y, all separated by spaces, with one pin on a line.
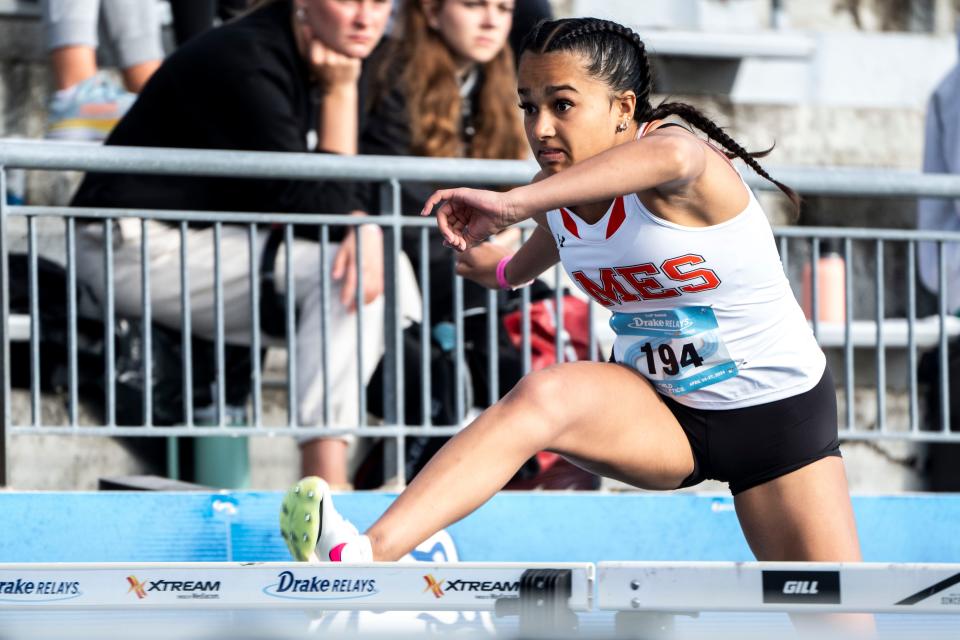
pixel 609 292
pixel 648 288
pixel 709 279
pixel 616 283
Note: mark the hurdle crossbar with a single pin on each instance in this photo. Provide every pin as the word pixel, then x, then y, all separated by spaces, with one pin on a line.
pixel 381 586
pixel 778 586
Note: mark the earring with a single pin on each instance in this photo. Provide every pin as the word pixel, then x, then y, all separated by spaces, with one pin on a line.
pixel 622 127
pixel 301 14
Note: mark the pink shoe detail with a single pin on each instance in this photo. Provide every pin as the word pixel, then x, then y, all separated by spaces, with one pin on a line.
pixel 337 552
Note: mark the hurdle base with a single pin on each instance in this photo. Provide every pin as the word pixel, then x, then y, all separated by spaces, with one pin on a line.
pixel 648 625
pixel 543 604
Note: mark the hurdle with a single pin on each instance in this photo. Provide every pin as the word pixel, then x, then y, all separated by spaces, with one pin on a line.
pixel 556 600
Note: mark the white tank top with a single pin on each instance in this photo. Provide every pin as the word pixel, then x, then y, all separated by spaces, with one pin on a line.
pixel 705 313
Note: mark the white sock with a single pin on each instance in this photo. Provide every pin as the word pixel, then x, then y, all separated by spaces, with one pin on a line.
pixel 357 549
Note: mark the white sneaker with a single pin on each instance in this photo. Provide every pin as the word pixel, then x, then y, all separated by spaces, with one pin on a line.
pixel 314 531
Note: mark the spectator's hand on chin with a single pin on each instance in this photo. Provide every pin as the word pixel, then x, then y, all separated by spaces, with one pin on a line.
pixel 345 265
pixel 333 71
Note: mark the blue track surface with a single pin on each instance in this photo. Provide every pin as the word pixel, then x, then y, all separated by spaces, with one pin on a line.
pixel 522 527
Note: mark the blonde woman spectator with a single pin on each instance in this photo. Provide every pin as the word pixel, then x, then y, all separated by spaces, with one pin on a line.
pixel 249 85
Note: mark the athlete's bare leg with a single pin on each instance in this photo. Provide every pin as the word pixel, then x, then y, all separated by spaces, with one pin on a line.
pixel 605 413
pixel 805 515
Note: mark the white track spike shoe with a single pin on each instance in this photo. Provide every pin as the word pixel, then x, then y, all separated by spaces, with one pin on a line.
pixel 312 528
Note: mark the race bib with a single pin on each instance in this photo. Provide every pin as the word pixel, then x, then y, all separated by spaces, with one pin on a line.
pixel 678 350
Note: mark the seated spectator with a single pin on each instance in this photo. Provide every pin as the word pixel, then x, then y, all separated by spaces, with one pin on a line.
pixel 248 85
pixel 87 105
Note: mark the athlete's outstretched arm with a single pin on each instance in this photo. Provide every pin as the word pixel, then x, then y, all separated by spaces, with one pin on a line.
pixel 664 160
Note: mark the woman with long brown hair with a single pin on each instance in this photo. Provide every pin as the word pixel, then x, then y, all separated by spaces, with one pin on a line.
pixel 443 85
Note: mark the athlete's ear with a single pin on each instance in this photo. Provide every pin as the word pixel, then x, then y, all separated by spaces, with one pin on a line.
pixel 624 106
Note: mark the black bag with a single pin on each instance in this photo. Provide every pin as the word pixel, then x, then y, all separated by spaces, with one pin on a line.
pixel 273 305
pixel 167 366
pixel 418 450
pixel 167 374
pixel 52 308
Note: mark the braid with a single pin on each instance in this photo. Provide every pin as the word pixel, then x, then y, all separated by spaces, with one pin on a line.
pixel 733 149
pixel 646 76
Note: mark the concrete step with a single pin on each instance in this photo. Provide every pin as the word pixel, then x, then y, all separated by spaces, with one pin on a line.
pixel 77 462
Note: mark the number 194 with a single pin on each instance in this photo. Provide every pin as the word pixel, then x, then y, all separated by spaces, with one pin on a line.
pixel 668 358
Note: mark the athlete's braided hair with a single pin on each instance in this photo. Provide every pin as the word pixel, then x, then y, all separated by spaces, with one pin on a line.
pixel 616 55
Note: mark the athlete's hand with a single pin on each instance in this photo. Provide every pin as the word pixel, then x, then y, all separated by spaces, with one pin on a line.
pixel 479 263
pixel 468 217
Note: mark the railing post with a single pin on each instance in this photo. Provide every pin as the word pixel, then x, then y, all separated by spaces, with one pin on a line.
pixel 879 350
pixel 290 311
pixel 848 353
pixel 393 406
pixel 4 333
pixel 778 15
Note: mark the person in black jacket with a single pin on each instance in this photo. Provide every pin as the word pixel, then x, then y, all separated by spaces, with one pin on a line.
pixel 263 83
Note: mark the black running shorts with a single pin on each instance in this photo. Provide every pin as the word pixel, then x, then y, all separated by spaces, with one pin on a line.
pixel 749 446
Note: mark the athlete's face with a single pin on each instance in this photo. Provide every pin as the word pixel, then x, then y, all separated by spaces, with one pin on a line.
pixel 569 115
pixel 474 30
pixel 349 27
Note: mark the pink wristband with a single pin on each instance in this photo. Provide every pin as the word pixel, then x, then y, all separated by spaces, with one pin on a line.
pixel 502 275
pixel 501 272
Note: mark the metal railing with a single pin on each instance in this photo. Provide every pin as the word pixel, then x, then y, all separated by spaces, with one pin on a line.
pixel 391 172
